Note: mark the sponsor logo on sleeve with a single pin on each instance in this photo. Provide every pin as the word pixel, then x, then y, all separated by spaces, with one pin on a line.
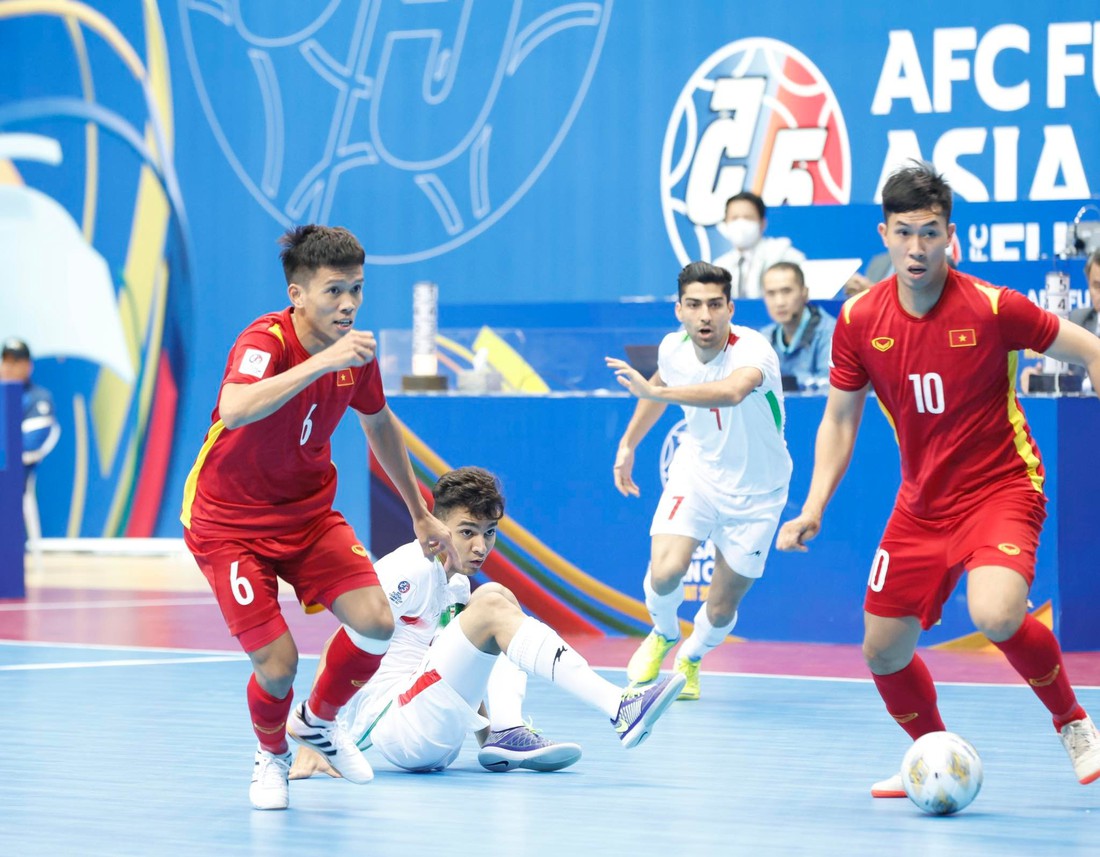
pixel 254 362
pixel 1008 548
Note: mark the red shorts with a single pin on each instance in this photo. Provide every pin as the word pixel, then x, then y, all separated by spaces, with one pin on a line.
pixel 919 562
pixel 322 563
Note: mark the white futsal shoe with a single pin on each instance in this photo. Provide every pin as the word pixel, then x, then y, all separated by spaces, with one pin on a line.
pixel 332 741
pixel 1082 742
pixel 270 772
pixel 890 787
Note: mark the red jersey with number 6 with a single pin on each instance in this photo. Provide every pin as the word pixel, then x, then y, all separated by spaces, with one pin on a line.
pixel 274 477
pixel 947 384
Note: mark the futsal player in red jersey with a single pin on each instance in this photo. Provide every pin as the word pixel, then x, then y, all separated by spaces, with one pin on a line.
pixel 257 504
pixel 940 349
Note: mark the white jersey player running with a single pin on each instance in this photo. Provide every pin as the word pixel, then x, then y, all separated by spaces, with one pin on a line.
pixel 728 479
pixel 429 690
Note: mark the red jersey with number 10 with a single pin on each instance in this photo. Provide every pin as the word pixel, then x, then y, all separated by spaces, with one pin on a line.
pixel 947 384
pixel 274 477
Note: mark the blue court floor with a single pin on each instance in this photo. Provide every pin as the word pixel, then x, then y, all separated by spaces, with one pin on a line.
pixel 127 751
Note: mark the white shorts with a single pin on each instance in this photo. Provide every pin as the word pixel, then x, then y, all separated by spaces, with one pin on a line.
pixel 742 526
pixel 431 713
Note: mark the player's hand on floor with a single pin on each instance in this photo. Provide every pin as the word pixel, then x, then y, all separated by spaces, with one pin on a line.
pixel 308 762
pixel 794 534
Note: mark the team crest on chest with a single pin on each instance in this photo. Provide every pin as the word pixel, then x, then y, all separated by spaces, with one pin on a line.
pixel 882 343
pixel 344 378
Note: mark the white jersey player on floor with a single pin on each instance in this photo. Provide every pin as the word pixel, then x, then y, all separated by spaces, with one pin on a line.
pixel 438 671
pixel 728 479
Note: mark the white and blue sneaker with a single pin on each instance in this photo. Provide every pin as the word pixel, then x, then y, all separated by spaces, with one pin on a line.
pixel 641 707
pixel 524 747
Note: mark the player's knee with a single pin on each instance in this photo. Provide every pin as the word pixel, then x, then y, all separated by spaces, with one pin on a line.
pixel 997 622
pixel 665 574
pixel 884 660
pixel 276 672
pixel 493 599
pixel 372 621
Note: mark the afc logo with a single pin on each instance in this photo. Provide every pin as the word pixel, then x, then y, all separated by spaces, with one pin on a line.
pixel 757 115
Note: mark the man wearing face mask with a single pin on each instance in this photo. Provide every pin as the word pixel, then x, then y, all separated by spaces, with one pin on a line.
pixel 751 254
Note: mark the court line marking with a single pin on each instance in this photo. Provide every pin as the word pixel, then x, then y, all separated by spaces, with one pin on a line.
pixel 132 662
pixel 218 655
pixel 129 602
pixel 93 605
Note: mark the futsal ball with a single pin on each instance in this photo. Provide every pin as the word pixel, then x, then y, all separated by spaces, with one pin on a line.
pixel 941 773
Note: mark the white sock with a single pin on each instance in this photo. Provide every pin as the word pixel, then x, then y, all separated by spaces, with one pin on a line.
pixel 662 608
pixel 538 650
pixel 504 695
pixel 705 636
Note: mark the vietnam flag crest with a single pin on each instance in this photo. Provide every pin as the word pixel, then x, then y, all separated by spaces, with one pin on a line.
pixel 344 378
pixel 965 338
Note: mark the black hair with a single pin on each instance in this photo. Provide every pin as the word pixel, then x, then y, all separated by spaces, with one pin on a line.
pixel 704 272
pixel 473 488
pixel 309 248
pixel 749 196
pixel 916 187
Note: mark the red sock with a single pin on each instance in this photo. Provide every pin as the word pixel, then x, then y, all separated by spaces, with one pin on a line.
pixel 1034 653
pixel 910 697
pixel 268 716
pixel 347 668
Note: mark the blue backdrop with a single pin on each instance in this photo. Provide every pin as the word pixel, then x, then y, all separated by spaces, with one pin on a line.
pixel 519 154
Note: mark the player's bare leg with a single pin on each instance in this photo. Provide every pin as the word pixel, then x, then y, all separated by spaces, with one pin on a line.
pixel 669 558
pixel 997 598
pixel 713 622
pixel 276 665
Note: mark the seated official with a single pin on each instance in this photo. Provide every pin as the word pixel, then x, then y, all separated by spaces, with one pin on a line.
pixel 801 333
pixel 752 252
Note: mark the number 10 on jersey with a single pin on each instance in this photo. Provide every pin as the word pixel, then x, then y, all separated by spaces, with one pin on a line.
pixel 928 391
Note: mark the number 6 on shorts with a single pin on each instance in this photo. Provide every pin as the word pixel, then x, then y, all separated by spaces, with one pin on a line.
pixel 242 589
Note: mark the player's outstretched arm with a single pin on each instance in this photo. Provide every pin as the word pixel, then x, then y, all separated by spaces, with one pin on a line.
pixel 241 404
pixel 723 393
pixel 646 414
pixel 836 438
pixel 1074 344
pixel 388 444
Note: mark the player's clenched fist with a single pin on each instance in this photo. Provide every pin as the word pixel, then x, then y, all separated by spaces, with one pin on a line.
pixel 354 348
pixel 794 534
